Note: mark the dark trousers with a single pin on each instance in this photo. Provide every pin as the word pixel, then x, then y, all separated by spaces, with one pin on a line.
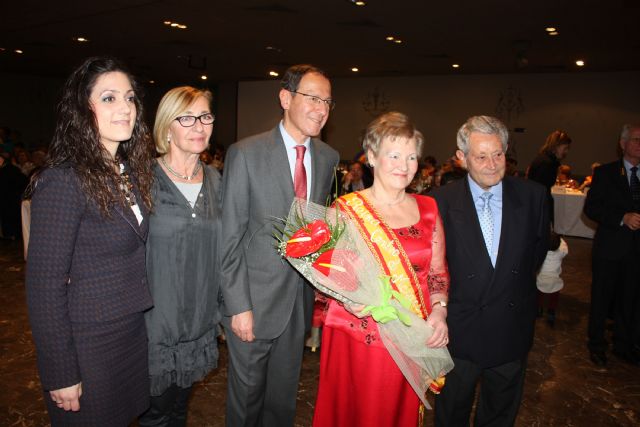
pixel 169 409
pixel 552 300
pixel 499 399
pixel 263 375
pixel 617 282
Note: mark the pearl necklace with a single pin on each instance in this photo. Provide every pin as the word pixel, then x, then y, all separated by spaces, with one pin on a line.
pixel 185 177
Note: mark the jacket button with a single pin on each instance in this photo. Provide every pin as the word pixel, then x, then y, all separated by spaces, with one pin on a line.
pixel 511 304
pixel 471 276
pixel 514 271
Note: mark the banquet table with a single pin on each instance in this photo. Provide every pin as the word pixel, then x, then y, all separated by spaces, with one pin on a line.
pixel 569 220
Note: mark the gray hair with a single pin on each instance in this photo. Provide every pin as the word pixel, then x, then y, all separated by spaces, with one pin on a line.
pixel 483 124
pixel 626 131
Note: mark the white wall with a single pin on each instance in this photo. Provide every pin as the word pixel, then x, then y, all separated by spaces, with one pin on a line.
pixel 591 107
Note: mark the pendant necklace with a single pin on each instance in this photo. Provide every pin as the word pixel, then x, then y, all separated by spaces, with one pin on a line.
pixel 185 177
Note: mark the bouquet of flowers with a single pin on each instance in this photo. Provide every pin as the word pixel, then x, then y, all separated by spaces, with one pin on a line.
pixel 325 246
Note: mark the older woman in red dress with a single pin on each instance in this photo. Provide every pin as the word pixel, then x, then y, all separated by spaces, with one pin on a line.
pixel 360 384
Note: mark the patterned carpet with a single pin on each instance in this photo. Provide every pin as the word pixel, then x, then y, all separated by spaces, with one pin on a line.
pixel 563 388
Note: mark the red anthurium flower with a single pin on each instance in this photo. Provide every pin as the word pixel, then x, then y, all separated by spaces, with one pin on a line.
pixel 308 239
pixel 340 264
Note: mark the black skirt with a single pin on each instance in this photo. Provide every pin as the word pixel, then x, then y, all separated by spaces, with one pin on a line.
pixel 114 371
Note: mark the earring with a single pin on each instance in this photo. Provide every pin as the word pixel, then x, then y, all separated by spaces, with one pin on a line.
pixel 168 138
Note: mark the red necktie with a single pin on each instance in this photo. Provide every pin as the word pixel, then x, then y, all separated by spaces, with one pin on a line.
pixel 300 174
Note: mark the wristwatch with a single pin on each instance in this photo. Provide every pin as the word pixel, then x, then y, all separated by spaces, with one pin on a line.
pixel 442 303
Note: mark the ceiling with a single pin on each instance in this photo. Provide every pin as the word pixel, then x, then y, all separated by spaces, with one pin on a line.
pixel 245 39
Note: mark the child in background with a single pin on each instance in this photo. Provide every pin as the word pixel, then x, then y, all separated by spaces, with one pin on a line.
pixel 549 281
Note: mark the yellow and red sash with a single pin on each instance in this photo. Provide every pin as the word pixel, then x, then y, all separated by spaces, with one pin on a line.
pixel 390 255
pixel 386 248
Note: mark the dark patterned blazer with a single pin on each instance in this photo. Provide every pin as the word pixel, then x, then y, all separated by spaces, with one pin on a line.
pixel 81 267
pixel 491 312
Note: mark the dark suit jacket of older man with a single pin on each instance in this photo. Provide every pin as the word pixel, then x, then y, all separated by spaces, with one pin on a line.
pixel 616 254
pixel 491 310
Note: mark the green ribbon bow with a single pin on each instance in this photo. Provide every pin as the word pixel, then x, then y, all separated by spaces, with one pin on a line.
pixel 385 312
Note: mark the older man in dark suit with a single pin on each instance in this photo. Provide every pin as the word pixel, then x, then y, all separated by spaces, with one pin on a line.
pixel 496 231
pixel 266 302
pixel 614 203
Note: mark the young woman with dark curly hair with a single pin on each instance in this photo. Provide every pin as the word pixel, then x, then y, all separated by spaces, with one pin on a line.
pixel 86 280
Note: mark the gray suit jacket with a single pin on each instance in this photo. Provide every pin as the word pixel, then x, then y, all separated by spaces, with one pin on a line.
pixel 257 190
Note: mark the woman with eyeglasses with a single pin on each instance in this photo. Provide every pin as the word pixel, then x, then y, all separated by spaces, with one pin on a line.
pixel 182 263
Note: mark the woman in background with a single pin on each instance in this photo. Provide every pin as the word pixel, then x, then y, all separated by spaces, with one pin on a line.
pixel 86 279
pixel 544 168
pixel 182 256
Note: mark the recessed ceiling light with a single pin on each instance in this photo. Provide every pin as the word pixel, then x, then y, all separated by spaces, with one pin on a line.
pixel 359 3
pixel 550 29
pixel 182 27
pixel 390 38
pixel 152 81
pixel 174 24
pixel 167 22
pixel 355 69
pixel 455 65
pixel 554 33
pixel 398 41
pixel 203 77
pixel 580 63
pixel 2 49
pixel 81 39
pixel 18 51
pixel 274 73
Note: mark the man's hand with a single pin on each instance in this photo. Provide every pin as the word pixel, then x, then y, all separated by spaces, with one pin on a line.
pixel 631 220
pixel 67 398
pixel 242 325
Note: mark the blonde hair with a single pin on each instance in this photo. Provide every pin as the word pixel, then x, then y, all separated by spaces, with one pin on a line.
pixel 173 103
pixel 390 125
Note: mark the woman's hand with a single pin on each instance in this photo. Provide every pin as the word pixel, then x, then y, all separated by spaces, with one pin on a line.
pixel 438 321
pixel 67 398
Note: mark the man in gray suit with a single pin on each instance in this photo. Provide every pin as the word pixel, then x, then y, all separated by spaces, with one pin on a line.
pixel 267 303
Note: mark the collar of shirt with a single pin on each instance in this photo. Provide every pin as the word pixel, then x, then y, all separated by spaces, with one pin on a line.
pixel 290 146
pixel 477 191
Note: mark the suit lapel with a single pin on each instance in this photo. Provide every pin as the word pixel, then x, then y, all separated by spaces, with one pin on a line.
pixel 511 221
pixel 317 173
pixel 622 181
pixel 141 229
pixel 279 165
pixel 467 227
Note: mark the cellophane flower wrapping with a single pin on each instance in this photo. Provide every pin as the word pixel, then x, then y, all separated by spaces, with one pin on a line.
pixel 357 281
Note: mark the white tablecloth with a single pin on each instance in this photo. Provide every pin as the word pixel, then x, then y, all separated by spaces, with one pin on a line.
pixel 569 220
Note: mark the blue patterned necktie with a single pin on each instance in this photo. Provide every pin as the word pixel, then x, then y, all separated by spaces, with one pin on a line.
pixel 486 221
